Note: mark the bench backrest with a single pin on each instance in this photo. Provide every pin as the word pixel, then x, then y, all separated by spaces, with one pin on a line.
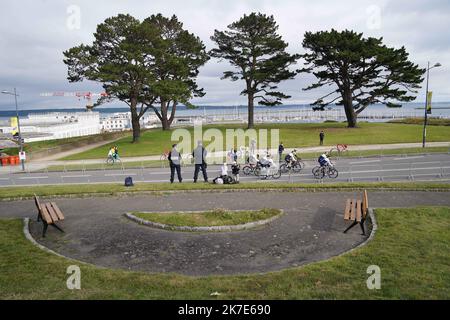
pixel 36 201
pixel 365 204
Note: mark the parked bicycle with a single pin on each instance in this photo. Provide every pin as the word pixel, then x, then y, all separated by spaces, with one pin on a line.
pixel 320 172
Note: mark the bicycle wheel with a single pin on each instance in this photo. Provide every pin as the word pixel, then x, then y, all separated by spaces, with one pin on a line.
pixel 318 173
pixel 332 173
pixel 297 167
pixel 110 161
pixel 247 170
pixel 284 168
pixel 277 175
pixel 257 171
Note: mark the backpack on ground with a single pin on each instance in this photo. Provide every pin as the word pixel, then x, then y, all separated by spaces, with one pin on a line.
pixel 129 182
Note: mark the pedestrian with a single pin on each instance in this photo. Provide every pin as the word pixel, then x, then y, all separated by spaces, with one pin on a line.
pixel 322 137
pixel 253 147
pixel 175 164
pixel 199 155
pixel 280 151
pixel 235 170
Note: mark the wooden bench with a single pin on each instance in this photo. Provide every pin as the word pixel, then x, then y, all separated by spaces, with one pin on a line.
pixel 49 214
pixel 356 211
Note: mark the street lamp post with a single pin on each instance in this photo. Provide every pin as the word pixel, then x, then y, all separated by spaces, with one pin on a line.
pixel 424 138
pixel 18 123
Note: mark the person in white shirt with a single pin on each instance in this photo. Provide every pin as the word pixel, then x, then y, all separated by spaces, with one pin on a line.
pixel 324 160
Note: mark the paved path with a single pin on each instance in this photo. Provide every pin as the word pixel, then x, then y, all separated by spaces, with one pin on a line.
pixel 310 230
pixel 432 167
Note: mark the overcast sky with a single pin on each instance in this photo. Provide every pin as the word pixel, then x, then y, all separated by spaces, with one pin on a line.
pixel 34 33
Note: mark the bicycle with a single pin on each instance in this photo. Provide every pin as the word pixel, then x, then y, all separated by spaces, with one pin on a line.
pixel 271 172
pixel 296 166
pixel 111 160
pixel 319 172
pixel 249 169
pixel 339 149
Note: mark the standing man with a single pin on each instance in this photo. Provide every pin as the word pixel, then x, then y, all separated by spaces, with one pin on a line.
pixel 175 164
pixel 199 155
pixel 322 137
pixel 280 151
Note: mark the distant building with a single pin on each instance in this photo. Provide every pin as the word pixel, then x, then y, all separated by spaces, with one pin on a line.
pixel 122 122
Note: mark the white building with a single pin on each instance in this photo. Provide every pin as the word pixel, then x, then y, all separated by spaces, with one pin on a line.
pixel 122 122
pixel 58 125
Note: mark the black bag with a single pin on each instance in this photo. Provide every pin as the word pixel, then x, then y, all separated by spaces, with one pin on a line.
pixel 129 182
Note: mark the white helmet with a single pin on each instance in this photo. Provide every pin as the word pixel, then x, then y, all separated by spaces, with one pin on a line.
pixel 219 181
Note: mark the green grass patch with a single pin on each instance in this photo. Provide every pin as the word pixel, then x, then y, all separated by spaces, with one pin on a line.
pixel 420 121
pixel 213 218
pixel 116 189
pixel 411 248
pixel 156 141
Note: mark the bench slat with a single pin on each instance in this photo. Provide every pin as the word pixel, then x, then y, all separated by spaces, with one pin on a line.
pixel 51 212
pixel 353 210
pixel 365 204
pixel 57 210
pixel 358 211
pixel 45 215
pixel 347 209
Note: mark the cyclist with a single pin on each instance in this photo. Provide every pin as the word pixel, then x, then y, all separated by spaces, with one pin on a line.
pixel 116 152
pixel 291 158
pixel 324 160
pixel 111 153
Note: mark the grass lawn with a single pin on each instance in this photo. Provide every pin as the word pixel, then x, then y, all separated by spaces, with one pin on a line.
pixel 155 142
pixel 411 247
pixel 217 217
pixel 117 189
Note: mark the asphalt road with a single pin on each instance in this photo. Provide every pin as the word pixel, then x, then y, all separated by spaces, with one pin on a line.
pixel 432 167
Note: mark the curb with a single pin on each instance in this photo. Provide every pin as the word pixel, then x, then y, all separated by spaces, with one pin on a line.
pixel 284 189
pixel 239 227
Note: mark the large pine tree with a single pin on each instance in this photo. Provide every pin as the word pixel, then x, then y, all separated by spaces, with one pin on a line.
pixel 253 46
pixel 359 71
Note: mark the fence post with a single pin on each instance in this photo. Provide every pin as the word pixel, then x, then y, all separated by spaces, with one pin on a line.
pixel 350 169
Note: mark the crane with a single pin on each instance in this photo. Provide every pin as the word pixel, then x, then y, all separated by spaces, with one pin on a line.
pixel 80 95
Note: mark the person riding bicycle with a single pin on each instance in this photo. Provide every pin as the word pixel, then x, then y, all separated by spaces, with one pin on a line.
pixel 291 158
pixel 324 160
pixel 116 152
pixel 111 153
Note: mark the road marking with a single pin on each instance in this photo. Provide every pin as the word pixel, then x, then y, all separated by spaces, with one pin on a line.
pixel 368 161
pixel 28 178
pixel 408 158
pixel 120 174
pixel 4 178
pixel 79 176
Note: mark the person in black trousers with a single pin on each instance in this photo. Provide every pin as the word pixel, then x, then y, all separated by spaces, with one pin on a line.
pixel 175 164
pixel 280 151
pixel 322 137
pixel 199 155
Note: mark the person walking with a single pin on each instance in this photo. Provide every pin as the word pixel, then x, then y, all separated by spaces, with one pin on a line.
pixel 280 151
pixel 199 155
pixel 175 164
pixel 322 137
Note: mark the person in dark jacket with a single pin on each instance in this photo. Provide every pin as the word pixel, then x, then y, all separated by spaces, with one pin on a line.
pixel 280 151
pixel 322 137
pixel 175 164
pixel 199 156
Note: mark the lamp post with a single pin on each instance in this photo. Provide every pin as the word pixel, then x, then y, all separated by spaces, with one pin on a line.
pixel 18 123
pixel 426 104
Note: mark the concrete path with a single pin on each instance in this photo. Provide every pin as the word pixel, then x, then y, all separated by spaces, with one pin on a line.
pixel 310 230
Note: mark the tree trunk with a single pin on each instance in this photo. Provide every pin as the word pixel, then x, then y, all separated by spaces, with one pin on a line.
pixel 164 119
pixel 135 121
pixel 251 107
pixel 349 110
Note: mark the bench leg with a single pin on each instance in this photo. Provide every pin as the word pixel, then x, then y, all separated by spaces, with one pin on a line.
pixel 44 231
pixel 57 227
pixel 362 227
pixel 351 226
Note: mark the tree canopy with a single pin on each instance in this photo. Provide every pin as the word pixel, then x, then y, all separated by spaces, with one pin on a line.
pixel 140 63
pixel 359 71
pixel 253 46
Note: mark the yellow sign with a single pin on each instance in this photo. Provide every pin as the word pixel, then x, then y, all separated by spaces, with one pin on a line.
pixel 14 126
pixel 429 97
